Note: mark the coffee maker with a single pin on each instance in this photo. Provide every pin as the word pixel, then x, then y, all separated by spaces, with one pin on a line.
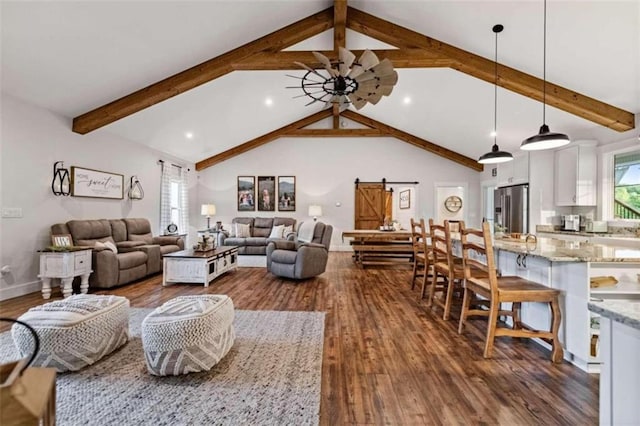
pixel 570 222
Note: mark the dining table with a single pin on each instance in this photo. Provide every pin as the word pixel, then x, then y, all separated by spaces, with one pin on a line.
pixel 378 247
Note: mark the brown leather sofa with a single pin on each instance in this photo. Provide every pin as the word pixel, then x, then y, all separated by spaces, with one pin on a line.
pixel 138 253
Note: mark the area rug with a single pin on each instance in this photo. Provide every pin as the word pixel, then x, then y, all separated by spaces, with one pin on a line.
pixel 270 376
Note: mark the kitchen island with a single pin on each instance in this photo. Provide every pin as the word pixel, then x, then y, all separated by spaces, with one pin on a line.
pixel 620 370
pixel 569 267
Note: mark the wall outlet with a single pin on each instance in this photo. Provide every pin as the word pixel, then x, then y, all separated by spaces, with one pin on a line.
pixel 11 212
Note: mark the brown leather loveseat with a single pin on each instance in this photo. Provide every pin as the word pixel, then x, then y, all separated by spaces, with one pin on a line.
pixel 137 253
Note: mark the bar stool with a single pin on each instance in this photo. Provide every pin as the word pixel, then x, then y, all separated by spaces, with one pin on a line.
pixel 503 289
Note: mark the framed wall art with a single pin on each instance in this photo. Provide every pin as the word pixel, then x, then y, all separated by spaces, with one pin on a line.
pixel 96 184
pixel 287 193
pixel 405 199
pixel 246 193
pixel 266 193
pixel 61 240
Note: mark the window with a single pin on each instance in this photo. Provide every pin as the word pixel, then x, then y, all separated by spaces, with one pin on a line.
pixel 626 181
pixel 173 200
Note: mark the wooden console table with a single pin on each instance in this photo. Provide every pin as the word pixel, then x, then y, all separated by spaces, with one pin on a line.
pixel 373 247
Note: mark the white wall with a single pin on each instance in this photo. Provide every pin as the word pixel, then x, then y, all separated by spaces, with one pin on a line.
pixel 32 140
pixel 325 170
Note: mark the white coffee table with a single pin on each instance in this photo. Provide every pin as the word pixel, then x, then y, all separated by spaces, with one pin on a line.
pixel 189 266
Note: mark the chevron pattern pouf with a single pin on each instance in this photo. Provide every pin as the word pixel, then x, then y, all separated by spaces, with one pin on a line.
pixel 74 332
pixel 188 334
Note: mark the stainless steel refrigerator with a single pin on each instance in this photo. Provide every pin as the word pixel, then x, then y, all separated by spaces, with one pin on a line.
pixel 511 205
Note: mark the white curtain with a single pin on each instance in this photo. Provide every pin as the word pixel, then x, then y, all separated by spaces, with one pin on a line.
pixel 174 201
pixel 183 225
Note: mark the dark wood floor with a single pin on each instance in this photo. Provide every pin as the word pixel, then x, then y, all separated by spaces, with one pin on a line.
pixel 388 359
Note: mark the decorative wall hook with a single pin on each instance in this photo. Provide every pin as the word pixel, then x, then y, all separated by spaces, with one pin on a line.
pixel 135 189
pixel 60 184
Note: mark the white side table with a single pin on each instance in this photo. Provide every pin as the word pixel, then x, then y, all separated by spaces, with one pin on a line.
pixel 65 266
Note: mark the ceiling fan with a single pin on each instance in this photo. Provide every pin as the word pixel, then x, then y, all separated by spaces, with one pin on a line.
pixel 348 81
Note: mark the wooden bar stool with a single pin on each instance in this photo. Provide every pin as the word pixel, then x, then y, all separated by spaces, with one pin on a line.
pixel 422 256
pixel 503 289
pixel 445 265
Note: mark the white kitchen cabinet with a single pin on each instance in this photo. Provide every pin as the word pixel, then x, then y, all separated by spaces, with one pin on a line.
pixel 514 172
pixel 575 175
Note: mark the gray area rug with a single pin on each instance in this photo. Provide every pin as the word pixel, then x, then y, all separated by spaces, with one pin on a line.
pixel 270 376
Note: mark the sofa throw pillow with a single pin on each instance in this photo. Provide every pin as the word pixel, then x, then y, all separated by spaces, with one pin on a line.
pixel 276 231
pixel 230 229
pixel 286 231
pixel 242 230
pixel 109 245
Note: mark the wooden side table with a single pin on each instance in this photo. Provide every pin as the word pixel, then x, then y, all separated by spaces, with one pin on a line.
pixel 65 265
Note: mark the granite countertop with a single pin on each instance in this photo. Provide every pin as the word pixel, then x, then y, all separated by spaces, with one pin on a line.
pixel 624 311
pixel 551 230
pixel 557 250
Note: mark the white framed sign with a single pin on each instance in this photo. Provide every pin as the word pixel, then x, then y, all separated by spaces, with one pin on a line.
pixel 96 184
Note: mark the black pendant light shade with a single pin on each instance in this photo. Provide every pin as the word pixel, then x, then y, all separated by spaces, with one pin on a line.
pixel 495 156
pixel 545 139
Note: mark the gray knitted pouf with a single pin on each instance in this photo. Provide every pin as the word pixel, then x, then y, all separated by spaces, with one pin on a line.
pixel 188 334
pixel 74 332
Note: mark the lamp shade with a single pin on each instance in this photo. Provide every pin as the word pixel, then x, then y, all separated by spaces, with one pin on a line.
pixel 545 139
pixel 208 209
pixel 495 156
pixel 315 210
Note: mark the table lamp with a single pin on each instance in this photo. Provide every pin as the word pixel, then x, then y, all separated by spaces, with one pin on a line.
pixel 208 210
pixel 315 211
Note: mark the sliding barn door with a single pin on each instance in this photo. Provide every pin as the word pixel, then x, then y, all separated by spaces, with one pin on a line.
pixel 371 203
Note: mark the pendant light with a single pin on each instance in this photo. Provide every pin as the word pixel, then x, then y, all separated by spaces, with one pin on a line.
pixel 495 156
pixel 545 139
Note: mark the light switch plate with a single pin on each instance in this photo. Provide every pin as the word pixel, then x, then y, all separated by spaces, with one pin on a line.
pixel 11 212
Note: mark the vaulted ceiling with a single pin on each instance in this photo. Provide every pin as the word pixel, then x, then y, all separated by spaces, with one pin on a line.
pixel 82 56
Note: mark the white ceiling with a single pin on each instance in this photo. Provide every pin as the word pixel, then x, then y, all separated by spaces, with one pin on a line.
pixel 71 57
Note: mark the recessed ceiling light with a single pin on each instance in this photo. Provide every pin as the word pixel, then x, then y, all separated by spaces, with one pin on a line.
pixel 268 102
pixel 493 134
pixel 406 100
pixel 188 135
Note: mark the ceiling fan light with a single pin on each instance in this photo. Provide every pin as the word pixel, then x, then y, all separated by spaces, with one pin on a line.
pixel 495 156
pixel 545 139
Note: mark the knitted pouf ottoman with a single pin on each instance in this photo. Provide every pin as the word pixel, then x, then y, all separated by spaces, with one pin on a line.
pixel 74 332
pixel 188 334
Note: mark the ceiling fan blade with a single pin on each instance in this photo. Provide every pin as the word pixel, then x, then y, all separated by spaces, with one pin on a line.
pixel 346 59
pixel 386 90
pixel 357 102
pixel 375 98
pixel 327 63
pixel 383 68
pixel 368 59
pixel 368 85
pixel 389 80
pixel 310 69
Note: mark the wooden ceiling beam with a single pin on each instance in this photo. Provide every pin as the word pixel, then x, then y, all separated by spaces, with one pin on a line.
pixel 414 140
pixel 517 81
pixel 202 73
pixel 341 133
pixel 339 24
pixel 401 58
pixel 261 140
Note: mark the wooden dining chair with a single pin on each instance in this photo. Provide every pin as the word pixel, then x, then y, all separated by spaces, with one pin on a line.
pixel 500 290
pixel 445 265
pixel 422 256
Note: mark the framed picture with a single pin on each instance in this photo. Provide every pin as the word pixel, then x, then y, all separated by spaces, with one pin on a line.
pixel 246 193
pixel 61 240
pixel 266 193
pixel 405 199
pixel 287 193
pixel 96 184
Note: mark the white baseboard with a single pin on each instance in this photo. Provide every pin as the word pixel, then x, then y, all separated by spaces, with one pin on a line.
pixel 20 290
